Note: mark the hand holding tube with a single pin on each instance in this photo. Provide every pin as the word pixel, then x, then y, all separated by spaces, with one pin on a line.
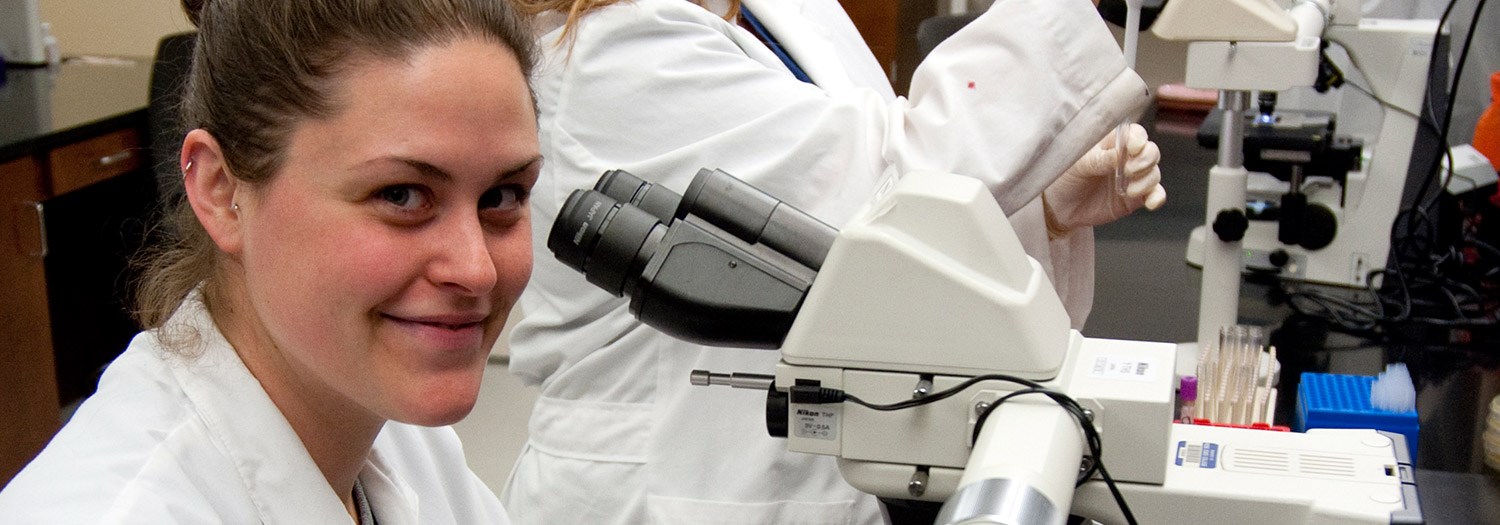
pixel 1085 196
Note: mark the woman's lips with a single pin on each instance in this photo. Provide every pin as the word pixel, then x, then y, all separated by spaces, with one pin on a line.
pixel 459 332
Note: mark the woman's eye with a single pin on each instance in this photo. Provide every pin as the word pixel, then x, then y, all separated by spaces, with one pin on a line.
pixel 406 197
pixel 503 198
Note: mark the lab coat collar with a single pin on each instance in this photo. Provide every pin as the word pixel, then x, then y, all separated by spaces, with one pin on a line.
pixel 812 51
pixel 278 473
pixel 392 501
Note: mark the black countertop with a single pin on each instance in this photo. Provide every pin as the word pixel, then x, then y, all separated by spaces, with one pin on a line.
pixel 45 107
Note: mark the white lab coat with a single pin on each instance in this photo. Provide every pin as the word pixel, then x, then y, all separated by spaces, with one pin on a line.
pixel 174 439
pixel 662 88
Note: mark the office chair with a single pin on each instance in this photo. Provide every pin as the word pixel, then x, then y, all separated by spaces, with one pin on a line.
pixel 174 58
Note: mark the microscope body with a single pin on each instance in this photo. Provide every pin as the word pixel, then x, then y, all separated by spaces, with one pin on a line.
pixel 927 290
pixel 1329 228
pixel 928 287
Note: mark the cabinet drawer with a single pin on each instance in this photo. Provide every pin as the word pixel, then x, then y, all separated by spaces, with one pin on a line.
pixel 77 165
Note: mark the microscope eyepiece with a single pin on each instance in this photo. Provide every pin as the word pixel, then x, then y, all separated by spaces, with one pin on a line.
pixel 729 268
pixel 750 214
pixel 576 231
pixel 607 241
pixel 652 198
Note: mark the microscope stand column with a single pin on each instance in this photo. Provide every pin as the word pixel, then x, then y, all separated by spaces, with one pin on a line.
pixel 1219 296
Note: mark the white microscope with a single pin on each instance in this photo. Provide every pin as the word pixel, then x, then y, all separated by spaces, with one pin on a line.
pixel 925 350
pixel 1325 215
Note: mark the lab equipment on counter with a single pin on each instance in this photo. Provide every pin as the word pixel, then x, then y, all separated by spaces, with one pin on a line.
pixel 22 41
pixel 921 347
pixel 1237 379
pixel 1323 225
pixel 1187 398
pixel 1487 131
pixel 1343 401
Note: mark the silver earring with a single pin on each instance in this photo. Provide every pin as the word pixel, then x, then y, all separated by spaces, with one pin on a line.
pixel 187 167
pixel 235 206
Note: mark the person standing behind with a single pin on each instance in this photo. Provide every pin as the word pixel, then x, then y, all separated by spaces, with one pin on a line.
pixel 785 95
pixel 354 234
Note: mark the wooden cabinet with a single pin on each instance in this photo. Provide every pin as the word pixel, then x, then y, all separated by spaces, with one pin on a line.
pixel 93 160
pixel 878 22
pixel 889 27
pixel 71 146
pixel 28 386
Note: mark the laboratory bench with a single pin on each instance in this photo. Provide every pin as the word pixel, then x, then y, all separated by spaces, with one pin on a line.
pixel 76 191
pixel 1144 256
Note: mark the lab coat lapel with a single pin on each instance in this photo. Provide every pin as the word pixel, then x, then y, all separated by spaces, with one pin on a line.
pixel 282 478
pixel 814 53
pixel 392 500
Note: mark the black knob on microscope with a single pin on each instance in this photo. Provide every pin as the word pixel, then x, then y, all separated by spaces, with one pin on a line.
pixel 1230 225
pixel 778 412
pixel 1319 227
pixel 1279 258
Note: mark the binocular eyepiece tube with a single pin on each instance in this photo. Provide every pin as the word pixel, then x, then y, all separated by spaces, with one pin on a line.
pixel 726 264
pixel 604 239
pixel 729 203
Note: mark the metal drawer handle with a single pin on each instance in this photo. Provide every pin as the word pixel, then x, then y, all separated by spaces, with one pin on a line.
pixel 41 227
pixel 114 158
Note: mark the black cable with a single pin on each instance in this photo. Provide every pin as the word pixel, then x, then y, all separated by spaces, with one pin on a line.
pixel 1068 404
pixel 1451 92
pixel 1413 279
pixel 941 395
pixel 1354 61
pixel 1419 202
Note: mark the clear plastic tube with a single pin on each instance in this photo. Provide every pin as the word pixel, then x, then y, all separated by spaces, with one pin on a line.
pixel 1132 35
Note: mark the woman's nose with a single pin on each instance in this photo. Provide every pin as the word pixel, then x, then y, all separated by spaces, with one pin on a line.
pixel 464 262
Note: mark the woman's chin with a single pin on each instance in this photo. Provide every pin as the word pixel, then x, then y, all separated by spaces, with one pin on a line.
pixel 438 408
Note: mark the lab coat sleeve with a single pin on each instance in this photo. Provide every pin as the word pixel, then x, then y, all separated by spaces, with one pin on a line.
pixel 1016 97
pixel 1012 100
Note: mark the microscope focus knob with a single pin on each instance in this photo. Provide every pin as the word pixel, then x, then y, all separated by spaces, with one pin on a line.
pixel 1319 226
pixel 1230 225
pixel 778 412
pixel 1279 258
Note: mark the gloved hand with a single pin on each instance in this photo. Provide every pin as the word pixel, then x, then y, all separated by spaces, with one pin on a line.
pixel 1085 195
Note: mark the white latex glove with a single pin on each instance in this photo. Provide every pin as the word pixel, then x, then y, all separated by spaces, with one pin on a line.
pixel 1085 195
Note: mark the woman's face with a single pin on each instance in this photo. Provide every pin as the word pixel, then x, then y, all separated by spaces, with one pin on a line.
pixel 382 259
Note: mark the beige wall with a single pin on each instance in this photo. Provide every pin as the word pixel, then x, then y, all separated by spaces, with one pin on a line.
pixel 132 28
pixel 112 27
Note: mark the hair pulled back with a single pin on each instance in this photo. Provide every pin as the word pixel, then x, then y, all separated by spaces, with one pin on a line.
pixel 261 66
pixel 576 9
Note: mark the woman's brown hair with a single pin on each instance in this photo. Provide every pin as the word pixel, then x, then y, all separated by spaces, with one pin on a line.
pixel 576 9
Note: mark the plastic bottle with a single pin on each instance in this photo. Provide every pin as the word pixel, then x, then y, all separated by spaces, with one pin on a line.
pixel 1487 131
pixel 49 45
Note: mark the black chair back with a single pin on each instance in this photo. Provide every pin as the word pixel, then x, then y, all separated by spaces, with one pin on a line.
pixel 174 58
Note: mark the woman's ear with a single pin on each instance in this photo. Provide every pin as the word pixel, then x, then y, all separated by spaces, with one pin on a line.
pixel 212 190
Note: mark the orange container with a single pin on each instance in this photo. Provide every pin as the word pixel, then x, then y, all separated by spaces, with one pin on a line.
pixel 1487 131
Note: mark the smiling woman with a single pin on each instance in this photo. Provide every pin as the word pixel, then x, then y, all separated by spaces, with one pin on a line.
pixel 354 233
